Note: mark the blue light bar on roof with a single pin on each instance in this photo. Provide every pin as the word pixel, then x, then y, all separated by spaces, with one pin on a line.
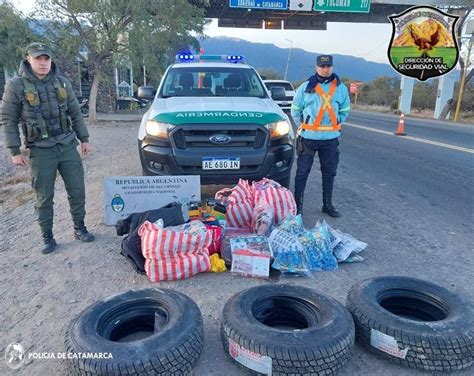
pixel 235 58
pixel 189 58
pixel 184 57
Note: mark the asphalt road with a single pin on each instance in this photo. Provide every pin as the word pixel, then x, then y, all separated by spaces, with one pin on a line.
pixel 436 180
pixel 457 134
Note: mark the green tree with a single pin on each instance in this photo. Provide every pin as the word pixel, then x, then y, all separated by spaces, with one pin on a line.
pixel 424 95
pixel 270 74
pixel 15 34
pixel 144 32
pixel 382 91
pixel 296 84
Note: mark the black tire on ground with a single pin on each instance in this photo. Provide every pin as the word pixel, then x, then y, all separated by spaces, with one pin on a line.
pixel 416 323
pixel 147 332
pixel 290 329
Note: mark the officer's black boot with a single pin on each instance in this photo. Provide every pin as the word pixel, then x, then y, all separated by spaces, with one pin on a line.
pixel 81 233
pixel 328 208
pixel 49 242
pixel 299 202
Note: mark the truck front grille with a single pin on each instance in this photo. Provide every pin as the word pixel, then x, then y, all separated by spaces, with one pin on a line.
pixel 199 136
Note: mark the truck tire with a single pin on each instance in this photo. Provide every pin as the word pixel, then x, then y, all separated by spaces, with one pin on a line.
pixel 147 332
pixel 287 330
pixel 416 323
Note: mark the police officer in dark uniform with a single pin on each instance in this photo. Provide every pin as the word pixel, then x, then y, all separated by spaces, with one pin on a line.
pixel 47 109
pixel 320 106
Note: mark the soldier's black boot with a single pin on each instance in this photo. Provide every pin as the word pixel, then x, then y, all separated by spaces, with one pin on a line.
pixel 49 242
pixel 328 208
pixel 299 203
pixel 81 233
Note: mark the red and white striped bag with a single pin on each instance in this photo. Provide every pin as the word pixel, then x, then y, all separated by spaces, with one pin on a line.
pixel 239 204
pixel 171 255
pixel 279 198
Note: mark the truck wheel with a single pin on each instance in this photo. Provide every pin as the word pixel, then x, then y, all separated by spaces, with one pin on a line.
pixel 416 323
pixel 144 332
pixel 281 329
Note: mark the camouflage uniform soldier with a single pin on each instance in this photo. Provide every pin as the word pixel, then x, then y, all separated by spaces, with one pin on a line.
pixel 45 105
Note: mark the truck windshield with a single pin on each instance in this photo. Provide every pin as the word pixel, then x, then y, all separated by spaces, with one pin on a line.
pixel 198 81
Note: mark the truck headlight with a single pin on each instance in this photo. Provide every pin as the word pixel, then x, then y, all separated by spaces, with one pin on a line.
pixel 156 129
pixel 279 129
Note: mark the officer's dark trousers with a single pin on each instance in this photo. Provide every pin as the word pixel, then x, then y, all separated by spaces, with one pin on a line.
pixel 328 153
pixel 45 163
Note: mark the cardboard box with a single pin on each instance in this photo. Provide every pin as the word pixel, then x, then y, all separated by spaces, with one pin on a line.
pixel 251 256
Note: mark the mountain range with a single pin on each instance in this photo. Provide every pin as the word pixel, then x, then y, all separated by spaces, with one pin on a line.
pixel 302 63
pixel 428 31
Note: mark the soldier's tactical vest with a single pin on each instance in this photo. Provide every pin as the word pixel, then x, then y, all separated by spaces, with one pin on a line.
pixel 40 129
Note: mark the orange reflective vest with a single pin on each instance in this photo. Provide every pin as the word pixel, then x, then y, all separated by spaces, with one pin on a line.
pixel 326 107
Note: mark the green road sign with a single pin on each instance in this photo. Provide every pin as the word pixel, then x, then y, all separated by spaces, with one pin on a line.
pixel 355 6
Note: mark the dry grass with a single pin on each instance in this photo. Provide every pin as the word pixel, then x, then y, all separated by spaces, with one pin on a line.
pixel 16 190
pixel 374 108
pixel 26 196
pixel 16 179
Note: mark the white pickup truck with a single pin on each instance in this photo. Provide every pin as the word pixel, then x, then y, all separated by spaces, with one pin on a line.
pixel 285 103
pixel 212 116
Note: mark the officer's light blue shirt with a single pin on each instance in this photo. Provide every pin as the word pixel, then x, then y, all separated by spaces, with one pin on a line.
pixel 308 104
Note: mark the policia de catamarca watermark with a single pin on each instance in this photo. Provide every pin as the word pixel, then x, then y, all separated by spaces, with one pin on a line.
pixel 16 356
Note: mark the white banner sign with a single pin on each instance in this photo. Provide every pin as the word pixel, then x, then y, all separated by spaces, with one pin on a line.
pixel 125 195
pixel 306 5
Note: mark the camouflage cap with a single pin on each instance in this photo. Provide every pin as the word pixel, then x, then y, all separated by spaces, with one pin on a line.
pixel 37 49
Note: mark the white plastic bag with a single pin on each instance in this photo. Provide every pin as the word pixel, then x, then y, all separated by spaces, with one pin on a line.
pixel 348 247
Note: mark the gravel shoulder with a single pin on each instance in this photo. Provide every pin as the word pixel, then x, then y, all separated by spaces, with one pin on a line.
pixel 41 294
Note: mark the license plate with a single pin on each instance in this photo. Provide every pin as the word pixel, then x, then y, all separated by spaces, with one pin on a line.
pixel 209 163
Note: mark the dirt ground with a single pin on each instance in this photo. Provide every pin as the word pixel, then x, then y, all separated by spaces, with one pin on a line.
pixel 41 294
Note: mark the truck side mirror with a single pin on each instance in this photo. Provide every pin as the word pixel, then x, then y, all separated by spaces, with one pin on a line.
pixel 146 92
pixel 278 93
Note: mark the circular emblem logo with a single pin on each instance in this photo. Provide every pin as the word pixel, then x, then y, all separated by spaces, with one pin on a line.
pixel 220 139
pixel 15 355
pixel 424 43
pixel 117 203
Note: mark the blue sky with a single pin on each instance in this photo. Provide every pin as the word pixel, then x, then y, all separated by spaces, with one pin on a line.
pixel 369 41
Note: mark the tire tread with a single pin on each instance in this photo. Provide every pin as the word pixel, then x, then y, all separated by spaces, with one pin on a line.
pixel 426 352
pixel 321 360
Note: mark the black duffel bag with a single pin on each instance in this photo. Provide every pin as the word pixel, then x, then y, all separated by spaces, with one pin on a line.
pixel 171 215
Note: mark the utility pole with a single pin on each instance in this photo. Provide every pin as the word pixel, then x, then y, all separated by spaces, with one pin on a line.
pixel 469 30
pixel 289 57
